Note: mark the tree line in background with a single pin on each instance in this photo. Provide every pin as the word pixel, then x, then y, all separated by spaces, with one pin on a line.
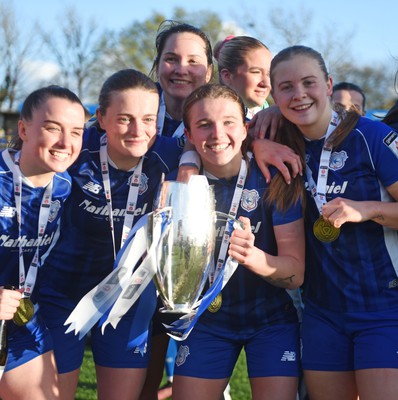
pixel 85 53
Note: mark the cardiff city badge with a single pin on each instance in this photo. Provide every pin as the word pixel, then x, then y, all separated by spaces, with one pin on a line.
pixel 183 353
pixel 54 209
pixel 337 160
pixel 249 199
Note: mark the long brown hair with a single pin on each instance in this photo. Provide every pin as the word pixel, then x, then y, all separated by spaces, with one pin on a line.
pixel 289 134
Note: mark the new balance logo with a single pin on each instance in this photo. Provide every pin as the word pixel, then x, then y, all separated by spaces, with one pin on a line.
pixel 143 351
pixel 92 187
pixel 289 356
pixel 7 211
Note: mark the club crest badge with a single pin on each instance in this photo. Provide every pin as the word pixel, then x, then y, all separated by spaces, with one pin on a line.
pixel 337 160
pixel 143 185
pixel 54 209
pixel 183 353
pixel 249 199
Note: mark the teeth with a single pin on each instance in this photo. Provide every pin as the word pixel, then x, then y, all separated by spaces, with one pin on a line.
pixel 219 147
pixel 303 107
pixel 62 156
pixel 178 82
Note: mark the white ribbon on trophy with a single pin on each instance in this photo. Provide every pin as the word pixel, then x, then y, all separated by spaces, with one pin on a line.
pixel 140 278
pixel 99 299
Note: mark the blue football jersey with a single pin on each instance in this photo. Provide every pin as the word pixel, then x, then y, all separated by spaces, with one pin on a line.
pixel 83 254
pixel 358 271
pixel 30 209
pixel 248 301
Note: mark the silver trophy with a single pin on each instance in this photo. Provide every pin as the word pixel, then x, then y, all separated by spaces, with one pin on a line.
pixel 186 250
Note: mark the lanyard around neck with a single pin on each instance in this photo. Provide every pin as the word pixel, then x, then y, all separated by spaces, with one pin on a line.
pixel 232 213
pixel 318 190
pixel 132 197
pixel 44 214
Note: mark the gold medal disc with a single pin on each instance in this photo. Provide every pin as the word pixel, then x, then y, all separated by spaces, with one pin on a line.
pixel 325 231
pixel 24 312
pixel 215 305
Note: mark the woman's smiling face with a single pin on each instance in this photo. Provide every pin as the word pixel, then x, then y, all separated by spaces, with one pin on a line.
pixel 183 65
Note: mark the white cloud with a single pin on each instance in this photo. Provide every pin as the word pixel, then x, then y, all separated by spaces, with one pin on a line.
pixel 37 72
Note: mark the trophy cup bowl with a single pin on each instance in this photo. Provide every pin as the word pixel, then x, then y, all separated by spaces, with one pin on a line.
pixel 186 250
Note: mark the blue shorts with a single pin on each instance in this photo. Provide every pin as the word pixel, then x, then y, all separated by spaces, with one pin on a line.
pixel 27 342
pixel 335 341
pixel 109 350
pixel 212 353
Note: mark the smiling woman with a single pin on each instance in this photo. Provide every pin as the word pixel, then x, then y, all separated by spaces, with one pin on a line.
pixel 183 62
pixel 349 238
pixel 243 64
pixel 35 187
pixel 253 307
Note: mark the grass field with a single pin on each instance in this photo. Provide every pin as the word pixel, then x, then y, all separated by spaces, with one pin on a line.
pixel 240 389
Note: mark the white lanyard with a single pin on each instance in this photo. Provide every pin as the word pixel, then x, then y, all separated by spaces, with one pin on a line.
pixel 233 210
pixel 44 213
pixel 318 190
pixel 161 117
pixel 132 197
pixel 251 112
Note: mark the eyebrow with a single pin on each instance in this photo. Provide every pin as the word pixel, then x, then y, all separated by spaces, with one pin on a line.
pixel 301 79
pixel 175 54
pixel 123 114
pixel 60 125
pixel 222 117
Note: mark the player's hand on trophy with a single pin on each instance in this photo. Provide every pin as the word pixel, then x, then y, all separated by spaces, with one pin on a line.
pixel 241 245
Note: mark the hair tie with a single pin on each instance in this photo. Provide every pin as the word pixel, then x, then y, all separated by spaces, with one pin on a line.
pixel 227 39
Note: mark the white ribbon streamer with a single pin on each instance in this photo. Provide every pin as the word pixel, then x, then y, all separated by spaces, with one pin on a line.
pixel 99 299
pixel 139 280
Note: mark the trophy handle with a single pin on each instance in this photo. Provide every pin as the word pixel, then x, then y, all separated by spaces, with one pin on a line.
pixel 236 224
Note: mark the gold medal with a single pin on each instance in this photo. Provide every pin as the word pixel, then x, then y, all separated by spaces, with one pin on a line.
pixel 325 231
pixel 215 305
pixel 24 312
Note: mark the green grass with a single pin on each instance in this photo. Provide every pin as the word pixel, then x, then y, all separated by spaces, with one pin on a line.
pixel 87 387
pixel 86 390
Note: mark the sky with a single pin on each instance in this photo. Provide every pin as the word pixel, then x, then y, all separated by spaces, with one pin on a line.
pixel 373 24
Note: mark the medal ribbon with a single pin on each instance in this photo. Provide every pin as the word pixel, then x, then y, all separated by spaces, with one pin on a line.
pixel 160 120
pixel 318 190
pixel 132 197
pixel 44 214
